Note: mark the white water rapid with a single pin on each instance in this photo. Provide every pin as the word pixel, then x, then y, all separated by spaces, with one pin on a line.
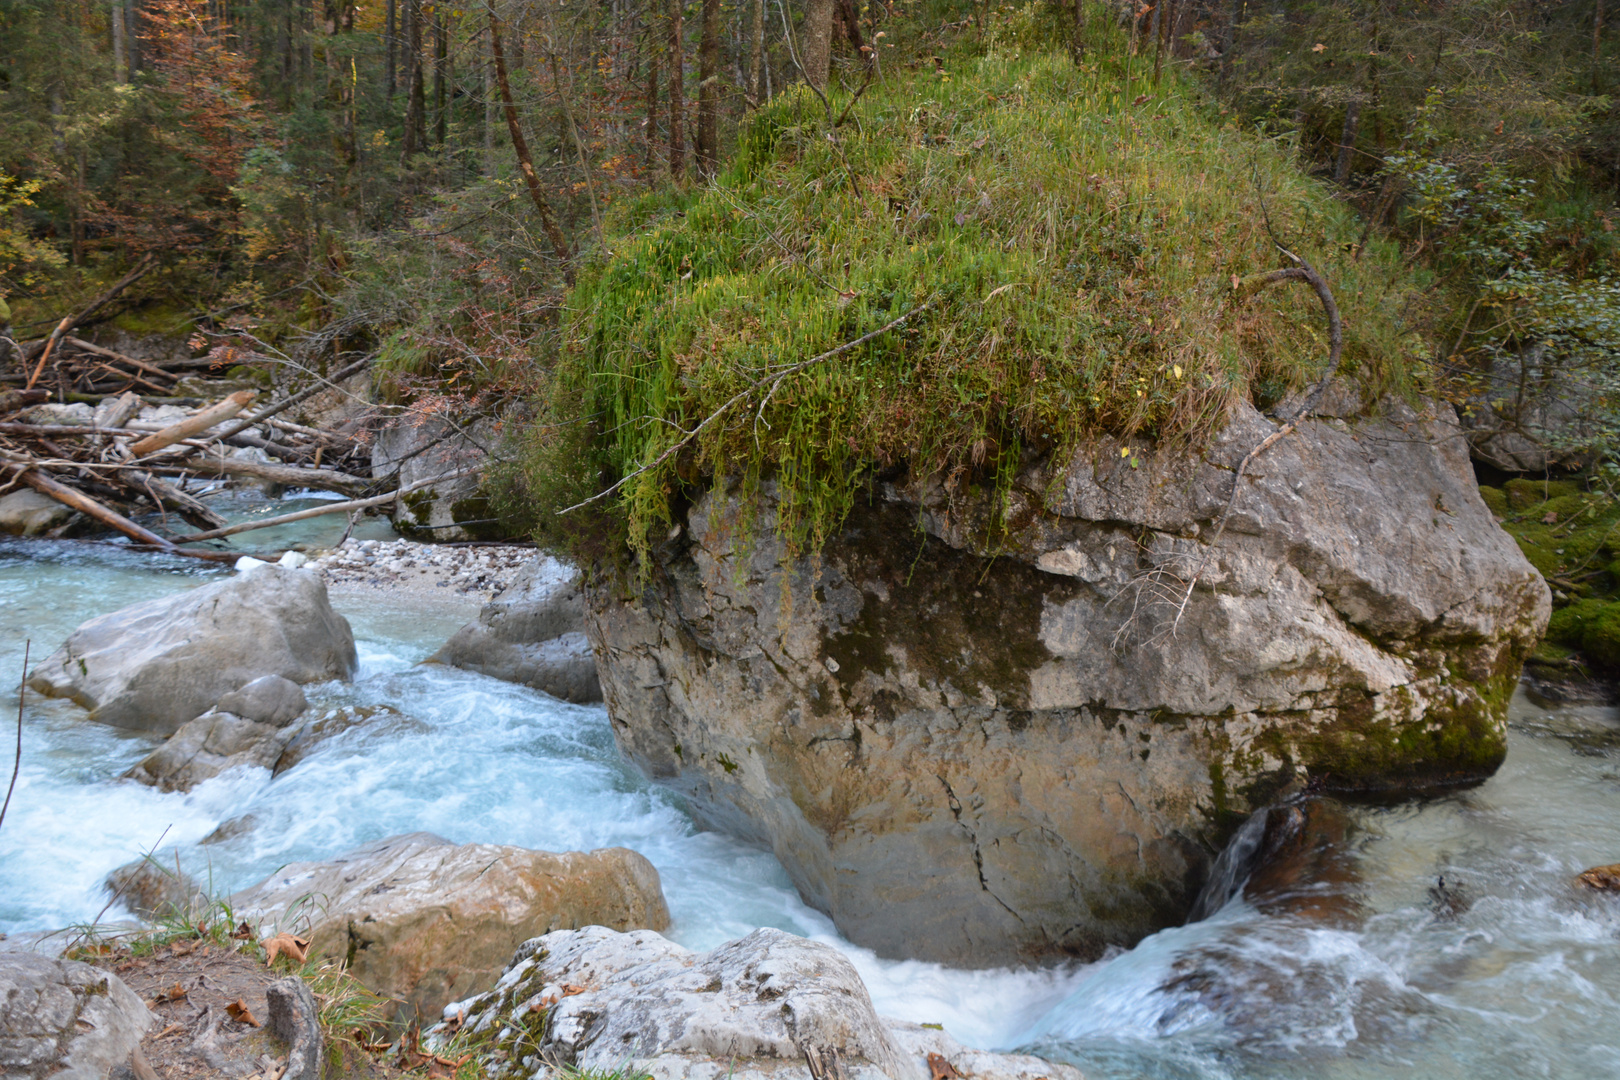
pixel 1523 981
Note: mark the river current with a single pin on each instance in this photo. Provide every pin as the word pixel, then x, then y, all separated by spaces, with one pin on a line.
pixel 1516 975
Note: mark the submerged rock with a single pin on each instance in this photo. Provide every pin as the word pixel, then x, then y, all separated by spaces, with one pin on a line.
pixel 155 665
pixel 985 748
pixel 768 1004
pixel 155 888
pixel 424 921
pixel 1601 878
pixel 64 1019
pixel 533 633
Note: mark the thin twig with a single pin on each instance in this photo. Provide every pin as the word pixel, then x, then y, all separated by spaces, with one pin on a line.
pixel 774 380
pixel 16 768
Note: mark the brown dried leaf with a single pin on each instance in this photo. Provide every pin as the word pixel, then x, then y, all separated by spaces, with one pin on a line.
pixel 1550 518
pixel 940 1069
pixel 295 948
pixel 243 932
pixel 238 1011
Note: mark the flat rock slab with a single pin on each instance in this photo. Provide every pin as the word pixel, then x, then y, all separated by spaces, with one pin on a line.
pixel 153 666
pixel 425 921
pixel 64 1019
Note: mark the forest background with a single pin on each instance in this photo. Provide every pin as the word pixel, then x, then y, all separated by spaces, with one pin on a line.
pixel 423 180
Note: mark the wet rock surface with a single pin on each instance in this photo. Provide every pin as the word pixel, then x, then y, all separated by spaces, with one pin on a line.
pixel 153 666
pixel 982 749
pixel 533 633
pixel 425 921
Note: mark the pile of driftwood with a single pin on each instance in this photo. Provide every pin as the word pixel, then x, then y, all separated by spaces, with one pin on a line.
pixel 115 467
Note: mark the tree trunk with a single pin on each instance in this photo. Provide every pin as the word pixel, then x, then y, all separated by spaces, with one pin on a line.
pixel 489 109
pixel 677 94
pixel 756 56
pixel 389 45
pixel 132 30
pixel 708 130
pixel 120 60
pixel 1347 139
pixel 416 103
pixel 520 147
pixel 441 60
pixel 815 42
pixel 1597 45
pixel 652 108
pixel 1077 39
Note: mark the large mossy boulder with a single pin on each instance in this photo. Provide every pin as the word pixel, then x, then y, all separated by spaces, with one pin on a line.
pixel 152 666
pixel 988 747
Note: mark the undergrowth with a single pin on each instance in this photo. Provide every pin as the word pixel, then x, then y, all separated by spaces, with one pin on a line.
pixel 1069 238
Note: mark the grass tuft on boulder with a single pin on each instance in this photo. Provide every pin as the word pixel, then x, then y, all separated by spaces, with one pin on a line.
pixel 1071 238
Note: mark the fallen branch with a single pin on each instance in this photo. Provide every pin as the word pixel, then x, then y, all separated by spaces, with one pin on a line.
pixel 89 507
pixel 12 400
pixel 142 365
pixel 192 425
pixel 318 511
pixel 285 475
pixel 288 402
pixel 774 380
pixel 16 768
pixel 68 323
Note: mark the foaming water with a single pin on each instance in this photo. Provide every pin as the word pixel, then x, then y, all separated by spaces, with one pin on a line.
pixel 445 751
pixel 1509 971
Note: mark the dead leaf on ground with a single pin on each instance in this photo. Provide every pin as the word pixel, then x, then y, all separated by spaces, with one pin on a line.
pixel 569 989
pixel 940 1069
pixel 172 1029
pixel 1550 518
pixel 173 993
pixel 244 932
pixel 182 948
pixel 238 1011
pixel 295 948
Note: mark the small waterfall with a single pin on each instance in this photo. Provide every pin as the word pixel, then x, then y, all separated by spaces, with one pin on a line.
pixel 1232 868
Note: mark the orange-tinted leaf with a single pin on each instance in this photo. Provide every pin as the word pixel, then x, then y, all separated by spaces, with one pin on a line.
pixel 238 1011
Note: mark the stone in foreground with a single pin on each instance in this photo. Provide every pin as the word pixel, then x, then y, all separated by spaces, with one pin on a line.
pixel 533 633
pixel 425 921
pixel 768 1004
pixel 988 748
pixel 64 1019
pixel 153 666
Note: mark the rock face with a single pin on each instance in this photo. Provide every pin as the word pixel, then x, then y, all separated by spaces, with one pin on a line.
pixel 153 888
pixel 153 666
pixel 768 1004
pixel 423 920
pixel 983 752
pixel 28 513
pixel 533 633
pixel 251 726
pixel 435 447
pixel 64 1019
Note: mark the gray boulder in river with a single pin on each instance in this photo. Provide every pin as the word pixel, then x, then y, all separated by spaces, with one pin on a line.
pixel 64 1019
pixel 155 665
pixel 533 633
pixel 766 1005
pixel 983 750
pixel 251 726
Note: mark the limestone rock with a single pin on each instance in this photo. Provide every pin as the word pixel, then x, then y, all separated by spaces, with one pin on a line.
pixel 425 921
pixel 762 1000
pixel 377 719
pixel 206 746
pixel 421 449
pixel 155 888
pixel 533 633
pixel 64 1019
pixel 26 512
pixel 985 749
pixel 766 1005
pixel 269 699
pixel 153 666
